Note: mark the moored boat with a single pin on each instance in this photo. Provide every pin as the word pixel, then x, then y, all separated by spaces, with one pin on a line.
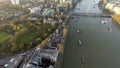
pixel 105 22
pixel 75 20
pixel 83 60
pixel 79 42
pixel 110 29
pixel 78 31
pixel 102 22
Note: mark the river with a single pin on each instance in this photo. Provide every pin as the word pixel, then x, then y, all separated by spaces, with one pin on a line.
pixel 100 47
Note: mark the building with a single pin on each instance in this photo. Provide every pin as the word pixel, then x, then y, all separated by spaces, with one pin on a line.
pixel 113 6
pixel 35 10
pixel 44 58
pixel 62 1
pixel 117 10
pixel 56 0
pixel 15 2
pixel 106 1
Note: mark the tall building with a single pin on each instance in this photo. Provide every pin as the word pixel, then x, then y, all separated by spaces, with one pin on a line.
pixel 64 1
pixel 61 1
pixel 12 1
pixel 56 0
pixel 15 2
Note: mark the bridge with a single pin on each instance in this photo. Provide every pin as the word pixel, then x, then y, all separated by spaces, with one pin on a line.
pixel 91 14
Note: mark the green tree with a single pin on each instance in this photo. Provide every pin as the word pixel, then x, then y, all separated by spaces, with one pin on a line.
pixel 30 45
pixel 14 48
pixel 41 20
pixel 38 39
pixel 18 28
pixel 21 47
pixel 14 27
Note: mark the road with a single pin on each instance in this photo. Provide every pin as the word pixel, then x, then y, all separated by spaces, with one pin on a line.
pixel 100 47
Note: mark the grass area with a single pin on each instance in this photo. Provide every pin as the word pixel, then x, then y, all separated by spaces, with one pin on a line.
pixel 26 38
pixel 3 36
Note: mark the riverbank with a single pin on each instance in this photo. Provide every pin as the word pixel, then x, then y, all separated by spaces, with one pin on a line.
pixel 62 45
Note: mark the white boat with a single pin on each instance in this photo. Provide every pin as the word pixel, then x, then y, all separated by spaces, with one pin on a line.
pixel 78 31
pixel 79 42
pixel 105 22
pixel 102 22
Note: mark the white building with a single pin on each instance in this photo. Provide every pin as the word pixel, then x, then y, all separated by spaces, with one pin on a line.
pixel 35 10
pixel 113 6
pixel 117 10
pixel 62 1
pixel 110 6
pixel 56 1
pixel 15 2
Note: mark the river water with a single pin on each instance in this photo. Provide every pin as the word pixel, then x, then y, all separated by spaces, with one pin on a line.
pixel 100 47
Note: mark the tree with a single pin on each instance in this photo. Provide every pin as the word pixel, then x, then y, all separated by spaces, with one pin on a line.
pixel 30 45
pixel 18 28
pixel 14 48
pixel 11 39
pixel 14 27
pixel 20 32
pixel 41 20
pixel 21 47
pixel 38 39
pixel 48 29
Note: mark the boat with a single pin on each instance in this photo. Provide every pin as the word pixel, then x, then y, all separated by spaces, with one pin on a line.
pixel 78 31
pixel 102 22
pixel 79 42
pixel 75 20
pixel 82 57
pixel 105 22
pixel 110 29
pixel 83 60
